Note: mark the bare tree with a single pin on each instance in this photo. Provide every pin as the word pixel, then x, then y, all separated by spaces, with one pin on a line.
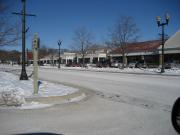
pixel 82 40
pixel 125 31
pixel 45 51
pixel 9 34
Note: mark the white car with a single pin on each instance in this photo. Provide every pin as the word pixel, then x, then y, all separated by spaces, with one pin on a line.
pixel 132 65
pixel 117 64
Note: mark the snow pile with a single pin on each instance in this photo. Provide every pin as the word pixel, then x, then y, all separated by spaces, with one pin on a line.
pixel 11 98
pixel 172 71
pixel 13 91
pixel 76 99
pixel 9 82
pixel 34 105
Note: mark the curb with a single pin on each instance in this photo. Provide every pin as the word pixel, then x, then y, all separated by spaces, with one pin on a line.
pixel 55 99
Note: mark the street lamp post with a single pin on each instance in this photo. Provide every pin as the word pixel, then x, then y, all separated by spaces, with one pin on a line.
pixel 158 19
pixel 59 61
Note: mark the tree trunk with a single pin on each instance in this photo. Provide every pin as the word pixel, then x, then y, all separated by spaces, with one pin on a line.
pixel 83 59
pixel 123 57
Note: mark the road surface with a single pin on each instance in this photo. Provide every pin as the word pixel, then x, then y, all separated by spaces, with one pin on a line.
pixel 119 104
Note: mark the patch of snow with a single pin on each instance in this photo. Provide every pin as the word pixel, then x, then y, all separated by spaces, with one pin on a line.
pixel 77 99
pixel 14 90
pixel 11 98
pixel 172 71
pixel 34 105
pixel 9 82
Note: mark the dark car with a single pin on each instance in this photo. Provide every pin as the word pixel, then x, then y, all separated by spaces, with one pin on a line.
pixel 175 115
pixel 141 64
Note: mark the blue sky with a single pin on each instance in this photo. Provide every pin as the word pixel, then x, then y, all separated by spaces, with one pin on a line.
pixel 57 19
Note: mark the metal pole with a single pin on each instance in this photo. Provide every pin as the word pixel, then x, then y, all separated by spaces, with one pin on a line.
pixel 82 49
pixel 23 71
pixel 27 60
pixel 59 61
pixel 158 19
pixel 59 57
pixel 162 68
pixel 23 75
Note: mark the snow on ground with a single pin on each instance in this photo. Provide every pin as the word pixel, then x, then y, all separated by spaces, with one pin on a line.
pixel 79 98
pixel 10 82
pixel 172 71
pixel 34 105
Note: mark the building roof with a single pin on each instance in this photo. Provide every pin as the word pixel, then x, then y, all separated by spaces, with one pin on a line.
pixel 148 46
pixel 174 41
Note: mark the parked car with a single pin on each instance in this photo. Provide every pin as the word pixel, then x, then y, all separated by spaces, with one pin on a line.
pixel 116 64
pixel 132 64
pixel 175 115
pixel 91 65
pixel 167 65
pixel 99 65
pixel 69 65
pixel 141 64
pixel 76 65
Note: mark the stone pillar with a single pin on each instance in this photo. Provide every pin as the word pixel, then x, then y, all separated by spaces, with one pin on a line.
pixel 35 62
pixel 66 60
pixel 77 60
pixel 91 60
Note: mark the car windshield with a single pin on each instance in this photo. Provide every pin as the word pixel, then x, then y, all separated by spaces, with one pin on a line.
pixel 89 67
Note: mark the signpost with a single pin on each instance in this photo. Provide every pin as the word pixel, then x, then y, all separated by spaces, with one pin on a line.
pixel 35 46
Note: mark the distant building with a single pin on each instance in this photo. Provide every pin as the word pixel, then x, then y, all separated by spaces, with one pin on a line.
pixel 134 52
pixel 172 48
pixel 10 57
pixel 93 55
pixel 149 52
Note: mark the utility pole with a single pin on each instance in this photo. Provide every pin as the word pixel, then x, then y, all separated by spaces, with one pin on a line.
pixel 23 14
pixel 27 59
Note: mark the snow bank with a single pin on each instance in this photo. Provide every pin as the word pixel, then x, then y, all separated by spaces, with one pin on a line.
pixel 76 99
pixel 11 98
pixel 34 105
pixel 10 82
pixel 172 71
pixel 13 91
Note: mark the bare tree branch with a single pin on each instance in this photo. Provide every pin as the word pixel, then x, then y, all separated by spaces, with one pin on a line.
pixel 82 39
pixel 9 34
pixel 125 31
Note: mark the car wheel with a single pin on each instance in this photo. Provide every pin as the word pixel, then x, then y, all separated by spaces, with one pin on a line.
pixel 175 116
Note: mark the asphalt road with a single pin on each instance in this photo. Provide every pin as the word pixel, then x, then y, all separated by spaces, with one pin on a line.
pixel 119 104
